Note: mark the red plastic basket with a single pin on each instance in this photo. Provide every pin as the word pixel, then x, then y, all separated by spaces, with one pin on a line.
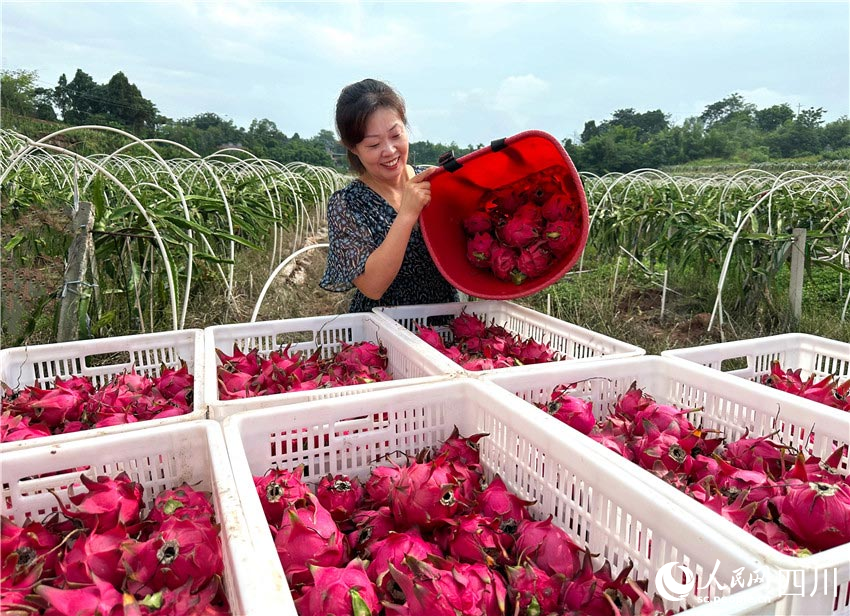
pixel 458 189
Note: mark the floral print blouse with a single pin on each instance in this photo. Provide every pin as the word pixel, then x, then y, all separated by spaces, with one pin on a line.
pixel 358 221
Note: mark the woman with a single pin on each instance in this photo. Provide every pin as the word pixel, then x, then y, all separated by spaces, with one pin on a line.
pixel 375 242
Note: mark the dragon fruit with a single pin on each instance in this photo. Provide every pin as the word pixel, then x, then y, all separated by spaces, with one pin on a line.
pixel 478 222
pixel 474 538
pixel 534 260
pixel 182 502
pixel 380 483
pixel 560 237
pixel 393 549
pixel 498 502
pixel 370 526
pixel 461 449
pixel 547 546
pixel 97 554
pixel 571 410
pixel 279 490
pixel 503 262
pixel 519 231
pixel 106 503
pixel 425 494
pixel 100 598
pixel 309 536
pixel 556 207
pixel 533 591
pixel 817 514
pixel 478 249
pixel 339 591
pixel 448 588
pixel 340 495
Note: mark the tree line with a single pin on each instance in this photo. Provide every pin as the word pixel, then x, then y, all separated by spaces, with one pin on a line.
pixel 728 130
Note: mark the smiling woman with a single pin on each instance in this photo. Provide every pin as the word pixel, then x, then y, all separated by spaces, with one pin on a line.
pixel 375 241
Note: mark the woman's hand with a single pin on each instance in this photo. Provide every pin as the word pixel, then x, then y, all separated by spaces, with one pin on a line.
pixel 417 194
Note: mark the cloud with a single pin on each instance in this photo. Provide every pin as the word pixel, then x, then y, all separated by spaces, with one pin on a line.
pixel 675 19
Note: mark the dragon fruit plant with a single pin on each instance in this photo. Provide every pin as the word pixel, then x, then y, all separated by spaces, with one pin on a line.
pixel 478 346
pixel 75 404
pixel 828 390
pixel 105 553
pixel 797 504
pixel 519 231
pixel 245 375
pixel 430 538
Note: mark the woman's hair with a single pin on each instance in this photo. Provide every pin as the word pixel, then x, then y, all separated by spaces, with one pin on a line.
pixel 355 104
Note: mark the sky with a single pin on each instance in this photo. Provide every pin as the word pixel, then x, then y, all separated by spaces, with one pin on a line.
pixel 470 72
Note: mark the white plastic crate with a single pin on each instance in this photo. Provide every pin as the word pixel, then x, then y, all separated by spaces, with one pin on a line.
pixel 574 343
pixel 732 406
pixel 158 458
pixel 617 519
pixel 405 364
pixel 101 360
pixel 814 355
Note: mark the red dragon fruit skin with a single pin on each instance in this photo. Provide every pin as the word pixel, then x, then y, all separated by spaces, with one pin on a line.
pixel 817 515
pixel 448 590
pixel 474 538
pixel 339 591
pixel 503 261
pixel 478 249
pixel 26 549
pixel 93 555
pixel 393 549
pixel 280 489
pixel 547 546
pixel 519 231
pixel 340 495
pixel 379 484
pixel 560 237
pixel 463 449
pixel 181 502
pixel 533 590
pixel 556 207
pixel 426 494
pixel 498 502
pixel 478 222
pixel 107 503
pixel 534 259
pixel 370 526
pixel 309 536
pixel 99 598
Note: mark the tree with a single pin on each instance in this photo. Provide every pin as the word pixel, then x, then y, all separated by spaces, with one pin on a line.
pixel 733 106
pixel 123 102
pixel 83 98
pixel 771 118
pixel 17 91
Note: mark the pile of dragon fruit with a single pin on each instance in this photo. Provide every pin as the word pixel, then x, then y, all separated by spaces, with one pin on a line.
pixel 828 390
pixel 429 539
pixel 245 375
pixel 477 346
pixel 75 404
pixel 104 555
pixel 797 504
pixel 520 230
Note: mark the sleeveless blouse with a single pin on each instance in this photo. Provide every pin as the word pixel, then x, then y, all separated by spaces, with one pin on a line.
pixel 358 222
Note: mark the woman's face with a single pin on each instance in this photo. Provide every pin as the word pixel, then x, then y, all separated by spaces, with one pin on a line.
pixel 383 150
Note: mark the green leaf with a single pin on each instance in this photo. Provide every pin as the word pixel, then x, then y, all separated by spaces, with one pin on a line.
pixel 14 241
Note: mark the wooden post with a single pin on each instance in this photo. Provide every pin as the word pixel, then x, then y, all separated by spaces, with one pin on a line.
pixel 80 253
pixel 798 259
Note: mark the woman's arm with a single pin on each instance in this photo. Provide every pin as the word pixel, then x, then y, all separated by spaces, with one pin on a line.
pixel 384 263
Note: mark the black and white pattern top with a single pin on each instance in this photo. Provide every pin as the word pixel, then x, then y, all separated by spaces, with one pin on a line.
pixel 358 221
